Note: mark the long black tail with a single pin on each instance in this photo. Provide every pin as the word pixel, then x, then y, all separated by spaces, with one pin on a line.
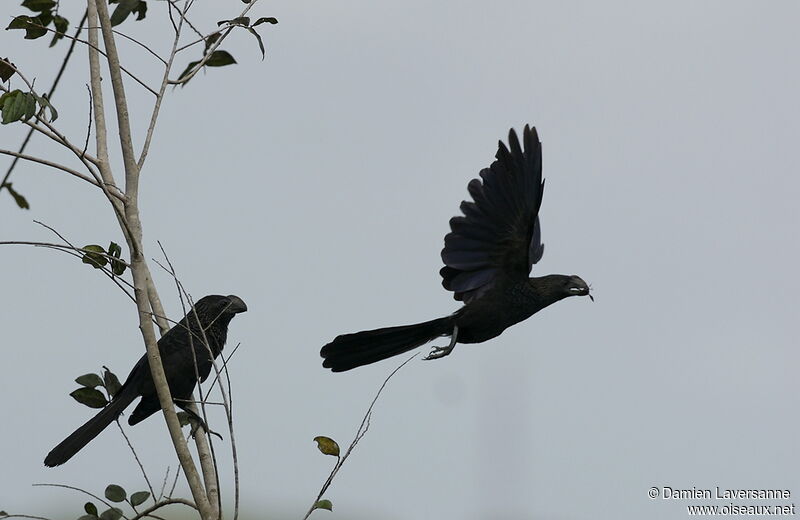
pixel 362 348
pixel 83 435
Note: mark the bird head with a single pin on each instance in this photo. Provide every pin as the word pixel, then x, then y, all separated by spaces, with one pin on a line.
pixel 214 306
pixel 575 286
pixel 235 305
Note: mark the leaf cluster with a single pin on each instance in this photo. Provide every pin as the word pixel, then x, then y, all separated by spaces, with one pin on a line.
pixel 220 58
pixel 117 494
pixel 98 257
pixel 89 395
pixel 17 105
pixel 36 26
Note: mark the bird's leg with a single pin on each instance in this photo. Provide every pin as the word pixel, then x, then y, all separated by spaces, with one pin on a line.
pixel 199 421
pixel 440 352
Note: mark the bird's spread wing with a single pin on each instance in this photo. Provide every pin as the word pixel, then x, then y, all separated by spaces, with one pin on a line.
pixel 499 234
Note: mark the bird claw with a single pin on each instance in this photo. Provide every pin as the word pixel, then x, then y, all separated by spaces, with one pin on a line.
pixel 206 429
pixel 198 424
pixel 438 352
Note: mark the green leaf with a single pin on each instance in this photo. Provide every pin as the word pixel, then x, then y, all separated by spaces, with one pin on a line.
pixel 3 513
pixel 89 380
pixel 111 382
pixel 88 517
pixel 114 513
pixel 211 40
pixel 19 22
pixel 268 19
pixel 187 70
pixel 39 5
pixel 19 199
pixel 242 20
pixel 323 504
pixel 61 24
pixel 139 497
pixel 114 249
pixel 220 59
pixel 7 69
pixel 89 397
pixel 31 25
pixel 327 445
pixel 44 103
pixel 30 106
pixel 90 509
pixel 115 493
pixel 141 11
pixel 16 106
pixel 260 43
pixel 123 9
pixel 117 267
pixel 94 256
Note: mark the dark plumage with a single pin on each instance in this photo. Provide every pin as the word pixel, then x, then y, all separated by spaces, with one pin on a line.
pixel 488 256
pixel 214 313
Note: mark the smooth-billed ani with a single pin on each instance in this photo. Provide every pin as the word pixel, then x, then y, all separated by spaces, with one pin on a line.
pixel 488 256
pixel 207 321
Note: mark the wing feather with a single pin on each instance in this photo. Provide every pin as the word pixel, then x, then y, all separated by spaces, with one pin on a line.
pixel 499 233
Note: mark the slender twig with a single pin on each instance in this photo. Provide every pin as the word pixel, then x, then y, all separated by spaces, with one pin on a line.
pixel 210 51
pixel 172 3
pixel 89 126
pixel 162 90
pixel 205 445
pixel 362 430
pixel 148 512
pixel 163 486
pixel 136 457
pixel 74 252
pixel 178 470
pixel 73 488
pixel 123 69
pixel 50 93
pixel 137 42
pixel 58 166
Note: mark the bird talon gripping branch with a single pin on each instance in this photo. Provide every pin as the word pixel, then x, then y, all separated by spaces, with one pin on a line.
pixel 487 257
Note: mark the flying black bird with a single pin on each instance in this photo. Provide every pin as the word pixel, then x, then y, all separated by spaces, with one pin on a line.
pixel 214 313
pixel 488 256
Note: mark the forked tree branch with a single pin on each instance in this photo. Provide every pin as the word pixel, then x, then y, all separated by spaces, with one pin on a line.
pixel 138 263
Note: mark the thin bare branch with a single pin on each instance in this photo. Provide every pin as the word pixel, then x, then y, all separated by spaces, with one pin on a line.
pixel 73 488
pixel 362 430
pixel 89 126
pixel 142 45
pixel 123 69
pixel 61 167
pixel 150 510
pixel 188 5
pixel 136 457
pixel 162 90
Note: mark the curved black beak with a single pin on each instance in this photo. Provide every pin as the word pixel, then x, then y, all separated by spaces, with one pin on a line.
pixel 236 304
pixel 579 288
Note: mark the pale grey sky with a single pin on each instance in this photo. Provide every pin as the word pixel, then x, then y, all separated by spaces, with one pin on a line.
pixel 317 186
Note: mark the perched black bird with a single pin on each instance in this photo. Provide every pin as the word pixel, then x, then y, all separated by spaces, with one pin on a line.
pixel 214 313
pixel 488 256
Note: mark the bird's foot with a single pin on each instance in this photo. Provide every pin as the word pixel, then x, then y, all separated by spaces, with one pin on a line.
pixel 439 352
pixel 202 425
pixel 196 422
